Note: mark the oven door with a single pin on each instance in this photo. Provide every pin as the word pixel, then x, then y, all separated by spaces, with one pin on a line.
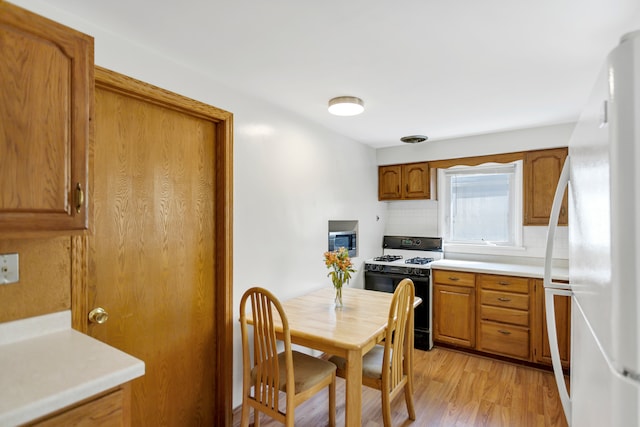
pixel 387 282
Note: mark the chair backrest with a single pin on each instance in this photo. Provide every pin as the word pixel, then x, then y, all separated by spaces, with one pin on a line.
pixel 265 311
pixel 398 340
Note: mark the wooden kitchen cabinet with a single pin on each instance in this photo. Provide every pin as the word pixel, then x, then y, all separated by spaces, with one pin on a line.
pixel 510 320
pixel 110 409
pixel 504 315
pixel 46 103
pixel 562 304
pixel 541 173
pixel 407 181
pixel 454 305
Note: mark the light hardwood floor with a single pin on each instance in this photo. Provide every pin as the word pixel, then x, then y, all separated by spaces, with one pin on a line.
pixel 452 389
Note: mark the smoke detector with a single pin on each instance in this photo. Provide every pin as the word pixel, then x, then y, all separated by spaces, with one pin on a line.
pixel 414 139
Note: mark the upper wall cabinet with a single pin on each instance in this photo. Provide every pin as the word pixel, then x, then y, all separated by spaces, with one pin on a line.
pixel 408 181
pixel 46 104
pixel 541 173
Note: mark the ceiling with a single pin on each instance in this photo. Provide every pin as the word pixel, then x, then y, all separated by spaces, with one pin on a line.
pixel 445 69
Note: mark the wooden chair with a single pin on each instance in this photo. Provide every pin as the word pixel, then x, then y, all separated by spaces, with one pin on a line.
pixel 389 367
pixel 298 375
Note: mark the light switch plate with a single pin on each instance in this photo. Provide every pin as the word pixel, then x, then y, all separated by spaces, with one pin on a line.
pixel 9 272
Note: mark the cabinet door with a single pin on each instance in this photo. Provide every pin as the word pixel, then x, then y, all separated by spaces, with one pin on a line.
pixel 454 314
pixel 562 304
pixel 415 179
pixel 46 95
pixel 389 181
pixel 541 173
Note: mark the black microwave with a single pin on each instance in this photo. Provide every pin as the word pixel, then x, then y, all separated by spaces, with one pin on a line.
pixel 343 239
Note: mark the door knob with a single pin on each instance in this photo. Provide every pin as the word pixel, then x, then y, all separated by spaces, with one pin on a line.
pixel 98 315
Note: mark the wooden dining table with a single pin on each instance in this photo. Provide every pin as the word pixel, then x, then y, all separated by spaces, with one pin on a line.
pixel 350 332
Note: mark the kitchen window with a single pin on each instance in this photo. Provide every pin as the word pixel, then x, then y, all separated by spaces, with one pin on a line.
pixel 481 205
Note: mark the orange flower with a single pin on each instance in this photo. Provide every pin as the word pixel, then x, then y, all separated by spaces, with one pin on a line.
pixel 341 264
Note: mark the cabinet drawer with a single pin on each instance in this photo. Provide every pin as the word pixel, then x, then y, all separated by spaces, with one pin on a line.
pixel 108 410
pixel 506 340
pixel 503 283
pixel 456 278
pixel 504 299
pixel 504 315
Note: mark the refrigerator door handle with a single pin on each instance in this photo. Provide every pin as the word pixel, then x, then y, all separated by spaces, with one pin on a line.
pixel 549 294
pixel 552 288
pixel 563 182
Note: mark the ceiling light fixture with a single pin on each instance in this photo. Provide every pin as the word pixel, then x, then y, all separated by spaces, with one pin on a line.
pixel 346 106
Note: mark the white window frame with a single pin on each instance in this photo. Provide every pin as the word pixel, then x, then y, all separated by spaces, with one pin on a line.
pixel 444 192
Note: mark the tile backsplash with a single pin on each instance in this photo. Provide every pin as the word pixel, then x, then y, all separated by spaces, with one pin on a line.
pixel 412 218
pixel 420 218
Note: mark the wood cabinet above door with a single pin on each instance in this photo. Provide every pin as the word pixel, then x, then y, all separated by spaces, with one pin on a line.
pixel 46 103
pixel 407 181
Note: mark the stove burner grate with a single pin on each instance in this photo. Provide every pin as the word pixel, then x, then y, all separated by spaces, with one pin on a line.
pixel 419 260
pixel 388 258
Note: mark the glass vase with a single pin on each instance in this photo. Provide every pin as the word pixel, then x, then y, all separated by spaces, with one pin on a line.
pixel 338 299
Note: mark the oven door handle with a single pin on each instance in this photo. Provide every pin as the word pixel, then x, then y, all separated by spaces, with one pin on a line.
pixel 396 276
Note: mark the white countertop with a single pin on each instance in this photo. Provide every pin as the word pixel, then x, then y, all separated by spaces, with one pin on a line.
pixel 522 270
pixel 45 366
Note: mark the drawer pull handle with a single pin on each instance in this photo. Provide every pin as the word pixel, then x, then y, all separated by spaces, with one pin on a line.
pixel 503 332
pixel 455 279
pixel 504 283
pixel 504 299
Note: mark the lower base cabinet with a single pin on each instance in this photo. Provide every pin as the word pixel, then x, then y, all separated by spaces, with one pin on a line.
pixel 498 314
pixel 110 409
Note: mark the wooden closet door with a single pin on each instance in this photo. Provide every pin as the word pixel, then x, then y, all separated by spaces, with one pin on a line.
pixel 152 253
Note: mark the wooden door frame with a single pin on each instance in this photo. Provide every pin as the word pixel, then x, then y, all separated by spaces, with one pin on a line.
pixel 223 228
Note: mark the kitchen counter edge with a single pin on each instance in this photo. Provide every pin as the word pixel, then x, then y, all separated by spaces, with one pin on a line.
pixel 46 366
pixel 521 270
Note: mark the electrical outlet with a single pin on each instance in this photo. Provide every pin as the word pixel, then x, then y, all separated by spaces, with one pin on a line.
pixel 9 272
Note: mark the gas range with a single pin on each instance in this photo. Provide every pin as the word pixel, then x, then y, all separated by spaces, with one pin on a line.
pixel 407 257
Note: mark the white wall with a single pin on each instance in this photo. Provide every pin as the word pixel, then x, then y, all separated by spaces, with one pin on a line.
pixel 420 217
pixel 290 176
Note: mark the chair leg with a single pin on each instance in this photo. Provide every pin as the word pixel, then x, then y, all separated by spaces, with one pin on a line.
pixel 290 417
pixel 256 418
pixel 244 420
pixel 408 397
pixel 332 403
pixel 408 387
pixel 386 409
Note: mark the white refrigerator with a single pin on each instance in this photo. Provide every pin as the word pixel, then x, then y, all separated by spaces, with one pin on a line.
pixel 603 175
